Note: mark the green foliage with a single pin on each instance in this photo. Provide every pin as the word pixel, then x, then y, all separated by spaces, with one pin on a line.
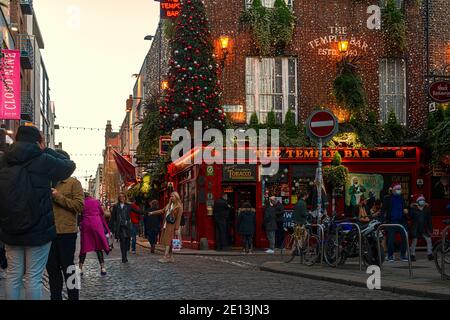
pixel 272 120
pixel 437 135
pixel 348 87
pixel 254 122
pixel 272 28
pixel 149 134
pixel 169 29
pixel 394 25
pixel 336 174
pixel 394 133
pixel 289 125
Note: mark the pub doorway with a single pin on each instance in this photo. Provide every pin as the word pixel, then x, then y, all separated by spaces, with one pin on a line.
pixel 237 196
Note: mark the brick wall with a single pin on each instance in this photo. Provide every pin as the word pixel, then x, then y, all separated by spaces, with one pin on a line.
pixel 317 72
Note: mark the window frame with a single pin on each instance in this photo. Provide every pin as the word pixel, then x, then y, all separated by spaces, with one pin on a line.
pixel 256 64
pixel 384 79
pixel 248 3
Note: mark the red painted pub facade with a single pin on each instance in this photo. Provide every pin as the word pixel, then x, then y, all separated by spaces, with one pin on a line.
pixel 376 169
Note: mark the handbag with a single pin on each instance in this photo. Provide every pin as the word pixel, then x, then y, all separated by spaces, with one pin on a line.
pixel 170 218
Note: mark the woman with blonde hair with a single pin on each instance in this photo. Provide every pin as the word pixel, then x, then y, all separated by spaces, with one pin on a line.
pixel 171 219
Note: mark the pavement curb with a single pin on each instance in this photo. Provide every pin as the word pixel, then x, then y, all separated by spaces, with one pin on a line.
pixel 389 288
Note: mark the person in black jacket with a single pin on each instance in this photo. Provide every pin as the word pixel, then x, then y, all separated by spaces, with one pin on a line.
pixel 28 252
pixel 152 223
pixel 270 222
pixel 422 226
pixel 120 224
pixel 246 225
pixel 221 213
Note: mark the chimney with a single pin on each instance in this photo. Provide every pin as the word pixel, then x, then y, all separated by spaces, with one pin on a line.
pixel 108 132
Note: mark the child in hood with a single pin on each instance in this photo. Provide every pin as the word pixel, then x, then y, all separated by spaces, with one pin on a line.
pixel 421 226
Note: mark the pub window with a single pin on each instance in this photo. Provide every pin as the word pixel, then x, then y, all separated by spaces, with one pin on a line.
pixel 392 73
pixel 271 84
pixel 268 3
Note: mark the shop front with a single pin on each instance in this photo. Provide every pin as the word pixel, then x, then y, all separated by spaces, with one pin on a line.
pixel 375 170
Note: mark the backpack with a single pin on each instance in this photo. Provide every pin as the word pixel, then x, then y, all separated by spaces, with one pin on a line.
pixel 19 207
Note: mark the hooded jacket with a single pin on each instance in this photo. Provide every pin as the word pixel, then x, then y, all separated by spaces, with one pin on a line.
pixel 46 167
pixel 246 221
pixel 421 221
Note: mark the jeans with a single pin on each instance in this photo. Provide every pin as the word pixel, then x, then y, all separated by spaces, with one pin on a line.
pixel 134 233
pixel 124 247
pixel 30 261
pixel 248 242
pixel 429 245
pixel 271 238
pixel 391 234
pixel 61 257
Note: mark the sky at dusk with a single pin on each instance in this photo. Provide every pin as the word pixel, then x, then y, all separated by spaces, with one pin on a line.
pixel 92 48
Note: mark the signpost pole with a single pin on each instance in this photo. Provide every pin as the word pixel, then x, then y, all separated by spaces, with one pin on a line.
pixel 319 187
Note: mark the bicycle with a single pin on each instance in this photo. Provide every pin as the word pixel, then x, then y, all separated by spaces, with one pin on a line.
pixel 301 243
pixel 437 254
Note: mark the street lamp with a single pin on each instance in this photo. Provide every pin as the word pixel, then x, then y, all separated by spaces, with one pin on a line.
pixel 165 85
pixel 343 46
pixel 224 42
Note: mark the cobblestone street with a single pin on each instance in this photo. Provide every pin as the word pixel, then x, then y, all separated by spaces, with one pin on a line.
pixel 196 277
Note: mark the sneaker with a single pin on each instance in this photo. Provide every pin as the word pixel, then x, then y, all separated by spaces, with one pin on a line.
pixel 270 251
pixel 103 272
pixel 163 260
pixel 391 259
pixel 413 258
pixel 133 252
pixel 430 257
pixel 405 259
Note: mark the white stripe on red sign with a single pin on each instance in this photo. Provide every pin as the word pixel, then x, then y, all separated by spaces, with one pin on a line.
pixel 319 124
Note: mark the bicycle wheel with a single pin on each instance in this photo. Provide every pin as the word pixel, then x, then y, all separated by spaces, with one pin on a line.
pixel 438 259
pixel 330 251
pixel 287 245
pixel 294 251
pixel 312 251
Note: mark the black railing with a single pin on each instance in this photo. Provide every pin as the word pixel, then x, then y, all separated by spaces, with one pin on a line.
pixel 27 107
pixel 26 51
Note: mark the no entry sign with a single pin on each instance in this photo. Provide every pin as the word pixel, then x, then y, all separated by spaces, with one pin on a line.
pixel 322 124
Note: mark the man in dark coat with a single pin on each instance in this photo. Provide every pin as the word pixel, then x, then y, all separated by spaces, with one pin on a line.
pixel 221 213
pixel 394 211
pixel 29 251
pixel 270 222
pixel 120 224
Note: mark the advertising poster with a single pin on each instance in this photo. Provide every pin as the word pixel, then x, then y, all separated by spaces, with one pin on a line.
pixel 358 184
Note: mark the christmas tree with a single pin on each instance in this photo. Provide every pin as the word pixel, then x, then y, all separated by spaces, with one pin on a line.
pixel 194 89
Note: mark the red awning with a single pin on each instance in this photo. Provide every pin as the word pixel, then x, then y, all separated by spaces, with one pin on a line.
pixel 126 168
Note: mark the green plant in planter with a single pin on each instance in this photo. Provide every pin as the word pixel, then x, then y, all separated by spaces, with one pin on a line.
pixel 394 25
pixel 394 133
pixel 254 122
pixel 272 28
pixel 282 25
pixel 258 18
pixel 336 175
pixel 348 86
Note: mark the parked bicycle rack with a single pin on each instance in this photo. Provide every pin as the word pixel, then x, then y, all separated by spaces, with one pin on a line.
pixel 322 236
pixel 383 226
pixel 444 241
pixel 359 241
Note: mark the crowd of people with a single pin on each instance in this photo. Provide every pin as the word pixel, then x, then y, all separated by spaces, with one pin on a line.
pixel 42 209
pixel 392 209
